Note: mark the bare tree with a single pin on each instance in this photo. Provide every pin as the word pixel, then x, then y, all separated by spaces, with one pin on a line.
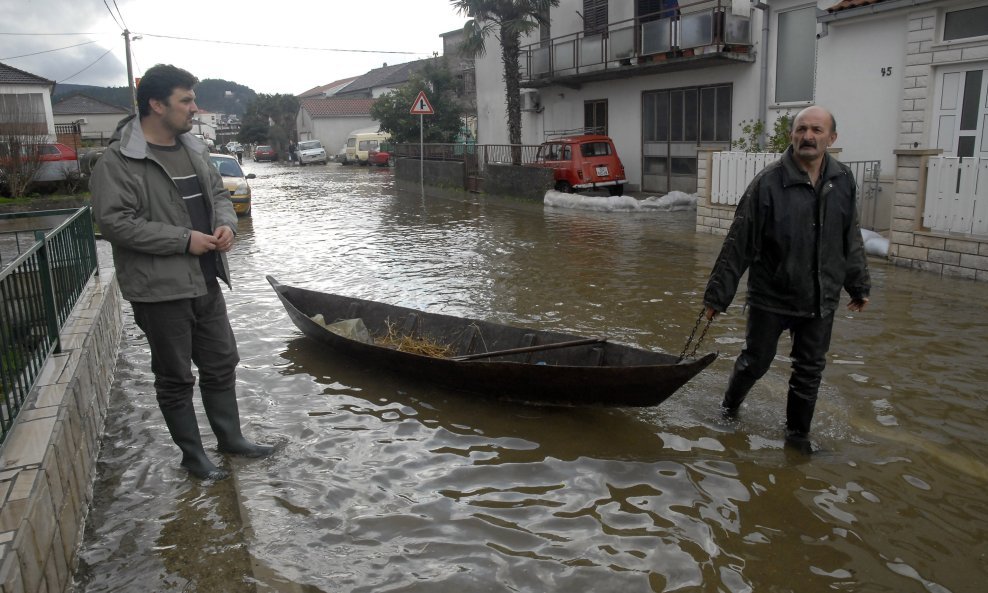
pixel 23 133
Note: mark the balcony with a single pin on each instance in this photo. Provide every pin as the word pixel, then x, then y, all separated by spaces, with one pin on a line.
pixel 698 35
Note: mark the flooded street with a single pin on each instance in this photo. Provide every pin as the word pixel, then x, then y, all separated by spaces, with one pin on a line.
pixel 382 485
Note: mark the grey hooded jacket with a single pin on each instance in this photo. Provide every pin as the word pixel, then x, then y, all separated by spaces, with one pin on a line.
pixel 138 209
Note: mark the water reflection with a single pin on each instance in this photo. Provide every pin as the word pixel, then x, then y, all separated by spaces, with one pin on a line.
pixel 380 484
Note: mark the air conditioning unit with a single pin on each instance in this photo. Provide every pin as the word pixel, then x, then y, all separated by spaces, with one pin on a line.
pixel 530 100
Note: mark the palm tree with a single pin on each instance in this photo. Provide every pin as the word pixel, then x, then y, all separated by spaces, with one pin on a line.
pixel 509 20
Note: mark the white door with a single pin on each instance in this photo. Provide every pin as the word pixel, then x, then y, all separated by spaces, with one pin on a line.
pixel 960 115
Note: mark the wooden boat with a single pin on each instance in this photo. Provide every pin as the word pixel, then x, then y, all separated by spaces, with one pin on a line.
pixel 494 359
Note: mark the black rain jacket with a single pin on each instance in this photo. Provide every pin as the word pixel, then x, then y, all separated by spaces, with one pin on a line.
pixel 799 247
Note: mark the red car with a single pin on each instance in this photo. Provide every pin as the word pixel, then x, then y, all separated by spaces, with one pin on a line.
pixel 380 158
pixel 585 161
pixel 265 153
pixel 58 161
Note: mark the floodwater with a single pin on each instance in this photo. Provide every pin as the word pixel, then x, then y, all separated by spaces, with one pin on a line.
pixel 382 485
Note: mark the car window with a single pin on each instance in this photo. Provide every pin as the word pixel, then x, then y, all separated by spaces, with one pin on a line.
pixel 351 142
pixel 228 167
pixel 595 149
pixel 309 145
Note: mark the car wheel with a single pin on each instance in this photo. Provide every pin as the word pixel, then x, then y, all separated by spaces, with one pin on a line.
pixel 616 190
pixel 564 187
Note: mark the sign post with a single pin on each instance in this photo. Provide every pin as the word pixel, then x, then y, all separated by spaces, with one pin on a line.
pixel 420 107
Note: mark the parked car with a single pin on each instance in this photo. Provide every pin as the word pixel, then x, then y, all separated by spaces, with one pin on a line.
pixel 207 141
pixel 381 156
pixel 234 181
pixel 57 161
pixel 585 161
pixel 359 143
pixel 264 152
pixel 311 151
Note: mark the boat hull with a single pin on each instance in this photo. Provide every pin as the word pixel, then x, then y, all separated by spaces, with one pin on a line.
pixel 603 373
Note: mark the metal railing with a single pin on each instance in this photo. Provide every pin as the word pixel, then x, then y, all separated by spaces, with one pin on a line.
pixel 38 291
pixel 475 155
pixel 694 28
pixel 731 172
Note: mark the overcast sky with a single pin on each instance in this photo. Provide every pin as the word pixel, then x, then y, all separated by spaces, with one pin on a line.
pixel 306 43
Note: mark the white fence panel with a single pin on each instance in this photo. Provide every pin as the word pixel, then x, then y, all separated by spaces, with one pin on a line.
pixel 957 195
pixel 733 171
pixel 979 224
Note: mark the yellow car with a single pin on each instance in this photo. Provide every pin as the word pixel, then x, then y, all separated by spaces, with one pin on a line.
pixel 234 181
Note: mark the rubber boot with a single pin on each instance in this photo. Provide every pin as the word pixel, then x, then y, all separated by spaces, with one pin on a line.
pixel 737 389
pixel 224 418
pixel 799 415
pixel 184 428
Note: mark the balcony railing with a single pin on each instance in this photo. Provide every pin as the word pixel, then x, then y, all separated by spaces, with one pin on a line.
pixel 692 36
pixel 38 290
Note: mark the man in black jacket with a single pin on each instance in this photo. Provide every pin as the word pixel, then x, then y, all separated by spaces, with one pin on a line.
pixel 796 232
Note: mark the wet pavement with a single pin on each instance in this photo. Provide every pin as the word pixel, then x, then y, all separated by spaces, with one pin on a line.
pixel 384 485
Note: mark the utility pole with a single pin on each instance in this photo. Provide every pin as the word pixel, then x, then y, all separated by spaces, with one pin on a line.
pixel 130 74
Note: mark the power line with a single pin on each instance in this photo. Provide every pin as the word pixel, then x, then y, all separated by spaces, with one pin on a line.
pixel 47 51
pixel 53 34
pixel 87 67
pixel 363 51
pixel 121 14
pixel 113 15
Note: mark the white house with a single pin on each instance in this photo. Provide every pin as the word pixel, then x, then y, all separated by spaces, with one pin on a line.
pixel 97 120
pixel 331 112
pixel 25 99
pixel 666 81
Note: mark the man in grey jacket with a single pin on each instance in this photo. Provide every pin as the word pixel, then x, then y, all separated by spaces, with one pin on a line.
pixel 162 205
pixel 796 233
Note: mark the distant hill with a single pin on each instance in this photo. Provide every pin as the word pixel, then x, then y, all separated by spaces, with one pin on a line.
pixel 212 94
pixel 119 96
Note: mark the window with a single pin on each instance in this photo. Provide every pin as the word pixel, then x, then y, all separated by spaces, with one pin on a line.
pixel 23 114
pixel 594 16
pixel 795 66
pixel 595 149
pixel 962 24
pixel 595 116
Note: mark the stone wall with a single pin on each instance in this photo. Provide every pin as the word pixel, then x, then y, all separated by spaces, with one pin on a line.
pixel 527 183
pixel 48 461
pixel 710 218
pixel 448 174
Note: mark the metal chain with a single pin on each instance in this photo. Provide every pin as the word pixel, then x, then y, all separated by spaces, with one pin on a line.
pixel 703 333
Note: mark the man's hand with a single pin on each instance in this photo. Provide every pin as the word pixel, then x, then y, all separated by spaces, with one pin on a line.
pixel 200 243
pixel 224 238
pixel 857 304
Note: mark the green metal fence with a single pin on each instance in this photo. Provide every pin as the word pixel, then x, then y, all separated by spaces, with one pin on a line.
pixel 38 290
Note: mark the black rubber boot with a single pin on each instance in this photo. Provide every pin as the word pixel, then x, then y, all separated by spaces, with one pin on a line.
pixel 799 416
pixel 184 428
pixel 737 389
pixel 224 418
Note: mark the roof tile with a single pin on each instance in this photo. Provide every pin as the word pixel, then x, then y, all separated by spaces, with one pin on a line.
pixel 11 75
pixel 337 106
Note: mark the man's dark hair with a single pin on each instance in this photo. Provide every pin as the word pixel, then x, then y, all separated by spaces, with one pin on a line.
pixel 159 82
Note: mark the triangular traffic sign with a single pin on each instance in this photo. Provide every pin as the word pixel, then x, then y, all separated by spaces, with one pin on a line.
pixel 421 106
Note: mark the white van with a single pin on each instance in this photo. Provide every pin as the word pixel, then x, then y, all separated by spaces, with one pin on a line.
pixel 358 143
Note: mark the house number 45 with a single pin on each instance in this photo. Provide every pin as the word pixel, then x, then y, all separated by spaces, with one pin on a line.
pixel 887 71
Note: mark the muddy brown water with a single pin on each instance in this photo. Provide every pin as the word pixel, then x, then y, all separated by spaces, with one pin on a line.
pixel 384 485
